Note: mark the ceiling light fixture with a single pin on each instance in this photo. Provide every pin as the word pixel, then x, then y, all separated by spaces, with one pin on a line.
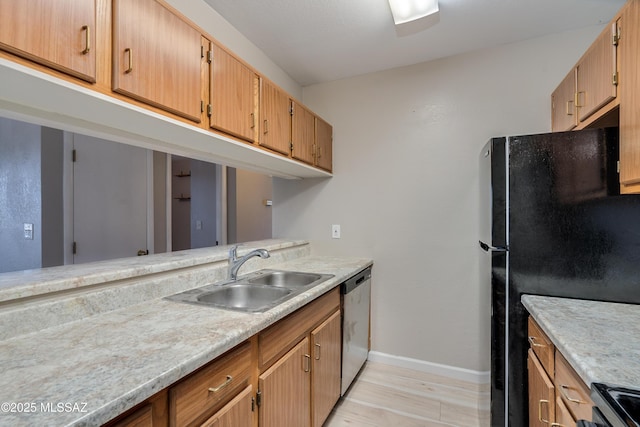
pixel 405 11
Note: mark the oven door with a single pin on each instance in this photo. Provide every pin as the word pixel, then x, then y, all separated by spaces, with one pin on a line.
pixel 598 420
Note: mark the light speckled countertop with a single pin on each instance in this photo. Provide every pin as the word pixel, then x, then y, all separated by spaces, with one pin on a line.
pixel 109 362
pixel 601 340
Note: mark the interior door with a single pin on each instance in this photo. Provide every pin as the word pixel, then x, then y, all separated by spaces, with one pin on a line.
pixel 109 199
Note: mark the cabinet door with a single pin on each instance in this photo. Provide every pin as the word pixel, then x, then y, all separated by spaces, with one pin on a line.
pixel 325 373
pixel 324 144
pixel 595 74
pixel 276 118
pixel 156 57
pixel 563 416
pixel 541 394
pixel 629 46
pixel 59 34
pixel 285 388
pixel 237 413
pixel 302 134
pixel 563 109
pixel 234 96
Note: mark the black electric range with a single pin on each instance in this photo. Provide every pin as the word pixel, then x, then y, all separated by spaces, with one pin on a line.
pixel 614 406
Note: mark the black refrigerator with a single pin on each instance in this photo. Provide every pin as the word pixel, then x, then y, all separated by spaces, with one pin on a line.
pixel 553 223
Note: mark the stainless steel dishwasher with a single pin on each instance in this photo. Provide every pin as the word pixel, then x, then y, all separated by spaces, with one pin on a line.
pixel 356 299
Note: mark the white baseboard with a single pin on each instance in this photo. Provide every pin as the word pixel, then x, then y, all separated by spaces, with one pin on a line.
pixel 476 377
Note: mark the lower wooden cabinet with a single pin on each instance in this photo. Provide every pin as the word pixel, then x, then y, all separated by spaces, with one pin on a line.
pixel 237 413
pixel 301 387
pixel 557 395
pixel 572 390
pixel 563 416
pixel 325 369
pixel 285 389
pixel 541 394
pixel 151 413
pixel 193 399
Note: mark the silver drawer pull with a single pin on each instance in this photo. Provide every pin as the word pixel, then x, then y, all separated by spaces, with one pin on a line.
pixel 221 386
pixel 563 390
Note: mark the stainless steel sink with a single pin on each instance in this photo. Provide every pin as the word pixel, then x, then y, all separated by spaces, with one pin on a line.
pixel 254 293
pixel 242 296
pixel 287 279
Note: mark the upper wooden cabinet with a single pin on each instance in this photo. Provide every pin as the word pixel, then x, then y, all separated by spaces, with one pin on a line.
pixel 629 50
pixel 156 57
pixel 563 107
pixel 589 86
pixel 234 96
pixel 302 133
pixel 324 145
pixel 60 34
pixel 275 110
pixel 597 73
pixel 147 54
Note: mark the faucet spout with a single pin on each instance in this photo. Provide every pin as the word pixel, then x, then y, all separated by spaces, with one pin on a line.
pixel 235 263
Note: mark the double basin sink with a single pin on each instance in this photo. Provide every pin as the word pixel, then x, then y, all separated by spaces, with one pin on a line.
pixel 254 293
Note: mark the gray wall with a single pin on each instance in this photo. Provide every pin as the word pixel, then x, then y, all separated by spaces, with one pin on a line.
pixel 52 200
pixel 20 202
pixel 405 186
pixel 203 204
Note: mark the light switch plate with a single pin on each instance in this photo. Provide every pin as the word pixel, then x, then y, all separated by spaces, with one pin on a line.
pixel 28 231
pixel 335 231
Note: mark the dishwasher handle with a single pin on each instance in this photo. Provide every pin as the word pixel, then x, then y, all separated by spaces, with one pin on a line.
pixel 355 281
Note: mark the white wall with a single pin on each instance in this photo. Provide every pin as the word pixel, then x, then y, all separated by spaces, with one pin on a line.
pixel 405 187
pixel 248 217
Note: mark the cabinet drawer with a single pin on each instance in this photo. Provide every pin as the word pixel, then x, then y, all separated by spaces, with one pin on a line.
pixel 280 337
pixel 195 398
pixel 572 390
pixel 541 346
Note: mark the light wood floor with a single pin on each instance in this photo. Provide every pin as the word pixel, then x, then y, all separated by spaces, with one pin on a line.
pixel 388 396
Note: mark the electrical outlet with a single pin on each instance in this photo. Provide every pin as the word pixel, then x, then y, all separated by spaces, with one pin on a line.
pixel 335 231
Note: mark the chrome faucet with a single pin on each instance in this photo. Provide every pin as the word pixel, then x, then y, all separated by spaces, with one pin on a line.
pixel 235 263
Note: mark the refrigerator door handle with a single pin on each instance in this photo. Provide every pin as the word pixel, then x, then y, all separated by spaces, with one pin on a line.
pixel 489 248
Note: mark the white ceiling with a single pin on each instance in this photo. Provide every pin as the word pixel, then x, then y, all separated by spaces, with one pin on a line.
pixel 322 40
